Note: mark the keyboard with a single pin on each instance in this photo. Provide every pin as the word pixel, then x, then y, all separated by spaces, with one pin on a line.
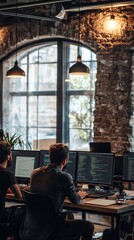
pixel 99 193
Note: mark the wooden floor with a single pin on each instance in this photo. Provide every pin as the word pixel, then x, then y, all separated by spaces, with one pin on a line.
pixel 100 223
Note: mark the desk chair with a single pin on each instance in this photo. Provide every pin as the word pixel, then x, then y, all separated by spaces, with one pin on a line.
pixel 41 221
pixel 10 220
pixel 3 225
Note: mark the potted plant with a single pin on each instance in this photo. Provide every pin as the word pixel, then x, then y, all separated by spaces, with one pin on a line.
pixel 15 140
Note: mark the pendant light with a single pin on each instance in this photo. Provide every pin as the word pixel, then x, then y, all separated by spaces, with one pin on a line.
pixel 16 71
pixel 79 68
pixel 112 23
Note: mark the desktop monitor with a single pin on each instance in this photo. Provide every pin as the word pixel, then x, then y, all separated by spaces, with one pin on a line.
pixel 24 162
pixel 100 147
pixel 95 168
pixel 118 166
pixel 44 158
pixel 71 166
pixel 128 167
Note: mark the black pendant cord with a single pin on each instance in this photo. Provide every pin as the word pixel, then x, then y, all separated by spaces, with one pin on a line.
pixel 79 32
pixel 112 8
pixel 16 29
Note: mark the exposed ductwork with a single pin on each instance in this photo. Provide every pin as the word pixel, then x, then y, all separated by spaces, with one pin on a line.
pixel 69 6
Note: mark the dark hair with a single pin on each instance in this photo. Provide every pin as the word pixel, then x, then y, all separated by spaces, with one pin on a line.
pixel 58 152
pixel 5 150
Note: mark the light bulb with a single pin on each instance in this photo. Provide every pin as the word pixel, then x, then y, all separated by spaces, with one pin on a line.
pixel 112 23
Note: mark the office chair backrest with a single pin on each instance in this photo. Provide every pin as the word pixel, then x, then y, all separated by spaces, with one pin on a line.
pixel 40 219
pixel 2 206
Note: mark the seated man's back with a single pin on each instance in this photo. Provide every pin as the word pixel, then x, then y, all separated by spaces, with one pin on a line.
pixel 54 181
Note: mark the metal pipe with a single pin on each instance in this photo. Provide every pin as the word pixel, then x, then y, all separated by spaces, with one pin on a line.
pixel 32 4
pixel 84 7
pixel 30 16
pixel 100 5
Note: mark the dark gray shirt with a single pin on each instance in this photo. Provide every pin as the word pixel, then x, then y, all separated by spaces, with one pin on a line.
pixel 55 182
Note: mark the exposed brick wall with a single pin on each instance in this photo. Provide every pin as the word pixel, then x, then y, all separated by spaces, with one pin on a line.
pixel 113 105
pixel 113 87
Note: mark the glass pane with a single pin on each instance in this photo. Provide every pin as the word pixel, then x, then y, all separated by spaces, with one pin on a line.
pixel 48 53
pixel 78 82
pixel 18 84
pixel 85 54
pixel 42 140
pixel 80 119
pixel 32 136
pixel 33 56
pixel 93 57
pixel 73 53
pixel 47 77
pixel 75 142
pixel 79 111
pixel 17 118
pixel 32 111
pixel 33 77
pixel 47 113
pixel 24 60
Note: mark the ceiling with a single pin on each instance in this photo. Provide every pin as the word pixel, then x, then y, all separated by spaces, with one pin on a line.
pixel 45 10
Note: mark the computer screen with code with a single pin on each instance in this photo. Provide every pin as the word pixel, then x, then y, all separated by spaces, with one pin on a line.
pixel 128 167
pixel 44 158
pixel 95 168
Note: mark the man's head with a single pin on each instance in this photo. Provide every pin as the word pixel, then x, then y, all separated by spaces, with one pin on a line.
pixel 58 153
pixel 5 152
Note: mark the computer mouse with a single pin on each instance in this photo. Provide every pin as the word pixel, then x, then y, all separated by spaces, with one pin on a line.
pixel 120 201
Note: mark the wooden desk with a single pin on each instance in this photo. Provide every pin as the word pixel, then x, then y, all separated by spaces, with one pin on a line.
pixel 116 211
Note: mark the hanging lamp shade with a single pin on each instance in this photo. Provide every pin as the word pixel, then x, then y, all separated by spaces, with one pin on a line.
pixel 16 71
pixel 79 68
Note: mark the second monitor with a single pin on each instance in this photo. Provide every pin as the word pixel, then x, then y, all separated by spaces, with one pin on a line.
pixel 128 167
pixel 71 166
pixel 95 168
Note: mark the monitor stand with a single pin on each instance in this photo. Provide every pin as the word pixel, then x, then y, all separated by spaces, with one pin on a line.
pixel 99 191
pixel 122 193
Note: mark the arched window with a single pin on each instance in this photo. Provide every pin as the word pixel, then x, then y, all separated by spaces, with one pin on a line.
pixel 44 107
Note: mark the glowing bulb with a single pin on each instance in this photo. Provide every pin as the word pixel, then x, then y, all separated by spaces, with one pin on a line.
pixel 112 23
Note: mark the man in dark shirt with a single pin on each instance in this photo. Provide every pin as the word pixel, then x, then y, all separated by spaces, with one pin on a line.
pixel 7 183
pixel 54 181
pixel 7 178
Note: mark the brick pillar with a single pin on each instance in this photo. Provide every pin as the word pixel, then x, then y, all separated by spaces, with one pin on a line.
pixel 113 104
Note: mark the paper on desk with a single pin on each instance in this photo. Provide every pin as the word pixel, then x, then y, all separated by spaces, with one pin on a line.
pixel 12 204
pixel 100 201
pixel 129 192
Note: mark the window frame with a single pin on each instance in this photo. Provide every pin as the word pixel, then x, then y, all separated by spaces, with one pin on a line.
pixel 62 133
